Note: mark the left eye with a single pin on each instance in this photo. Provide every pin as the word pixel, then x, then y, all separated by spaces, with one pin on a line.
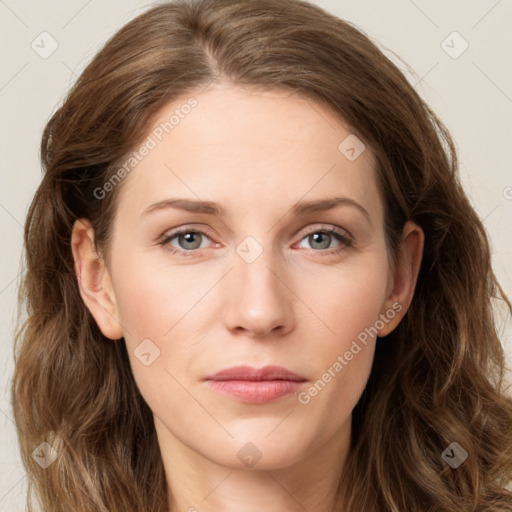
pixel 323 239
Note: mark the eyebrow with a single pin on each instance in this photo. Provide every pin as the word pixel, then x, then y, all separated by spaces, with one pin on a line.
pixel 211 208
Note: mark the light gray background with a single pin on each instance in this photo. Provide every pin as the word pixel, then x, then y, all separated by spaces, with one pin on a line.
pixel 471 93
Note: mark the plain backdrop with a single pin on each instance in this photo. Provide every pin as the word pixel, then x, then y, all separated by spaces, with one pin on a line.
pixel 469 88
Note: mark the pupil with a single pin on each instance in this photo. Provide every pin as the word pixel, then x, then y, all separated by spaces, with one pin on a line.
pixel 315 238
pixel 189 239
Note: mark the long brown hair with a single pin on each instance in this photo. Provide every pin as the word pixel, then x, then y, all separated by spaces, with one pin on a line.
pixel 437 379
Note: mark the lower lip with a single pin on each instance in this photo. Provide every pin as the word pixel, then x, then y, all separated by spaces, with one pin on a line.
pixel 255 392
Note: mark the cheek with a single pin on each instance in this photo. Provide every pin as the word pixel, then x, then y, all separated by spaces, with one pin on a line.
pixel 164 310
pixel 153 301
pixel 156 306
pixel 349 305
pixel 347 299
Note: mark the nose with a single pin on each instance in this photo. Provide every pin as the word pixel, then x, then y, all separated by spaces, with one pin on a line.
pixel 259 301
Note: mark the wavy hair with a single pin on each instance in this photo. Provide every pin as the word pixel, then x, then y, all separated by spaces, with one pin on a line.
pixel 437 378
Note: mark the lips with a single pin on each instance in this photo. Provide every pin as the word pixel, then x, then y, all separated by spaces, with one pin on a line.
pixel 252 374
pixel 256 386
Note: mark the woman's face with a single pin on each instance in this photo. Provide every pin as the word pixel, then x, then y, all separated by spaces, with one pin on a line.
pixel 281 262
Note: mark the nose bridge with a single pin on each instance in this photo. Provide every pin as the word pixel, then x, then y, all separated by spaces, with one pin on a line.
pixel 259 300
pixel 256 266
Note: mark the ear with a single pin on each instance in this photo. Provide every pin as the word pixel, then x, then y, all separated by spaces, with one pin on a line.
pixel 403 278
pixel 94 280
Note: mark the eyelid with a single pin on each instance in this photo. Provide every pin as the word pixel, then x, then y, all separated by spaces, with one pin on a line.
pixel 171 233
pixel 331 229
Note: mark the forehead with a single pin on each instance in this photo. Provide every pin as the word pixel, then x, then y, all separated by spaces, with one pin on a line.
pixel 243 146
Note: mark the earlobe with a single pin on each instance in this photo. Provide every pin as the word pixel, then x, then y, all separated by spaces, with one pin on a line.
pixel 405 276
pixel 94 280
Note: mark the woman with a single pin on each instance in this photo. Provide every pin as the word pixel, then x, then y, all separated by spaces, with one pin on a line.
pixel 251 371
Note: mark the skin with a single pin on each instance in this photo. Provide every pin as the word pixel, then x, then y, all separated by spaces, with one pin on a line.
pixel 256 153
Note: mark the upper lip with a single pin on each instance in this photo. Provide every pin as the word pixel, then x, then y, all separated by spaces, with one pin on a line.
pixel 254 374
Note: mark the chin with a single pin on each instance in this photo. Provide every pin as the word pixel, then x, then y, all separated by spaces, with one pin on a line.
pixel 255 452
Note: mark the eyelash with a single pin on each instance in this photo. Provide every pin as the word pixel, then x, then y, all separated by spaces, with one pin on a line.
pixel 346 241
